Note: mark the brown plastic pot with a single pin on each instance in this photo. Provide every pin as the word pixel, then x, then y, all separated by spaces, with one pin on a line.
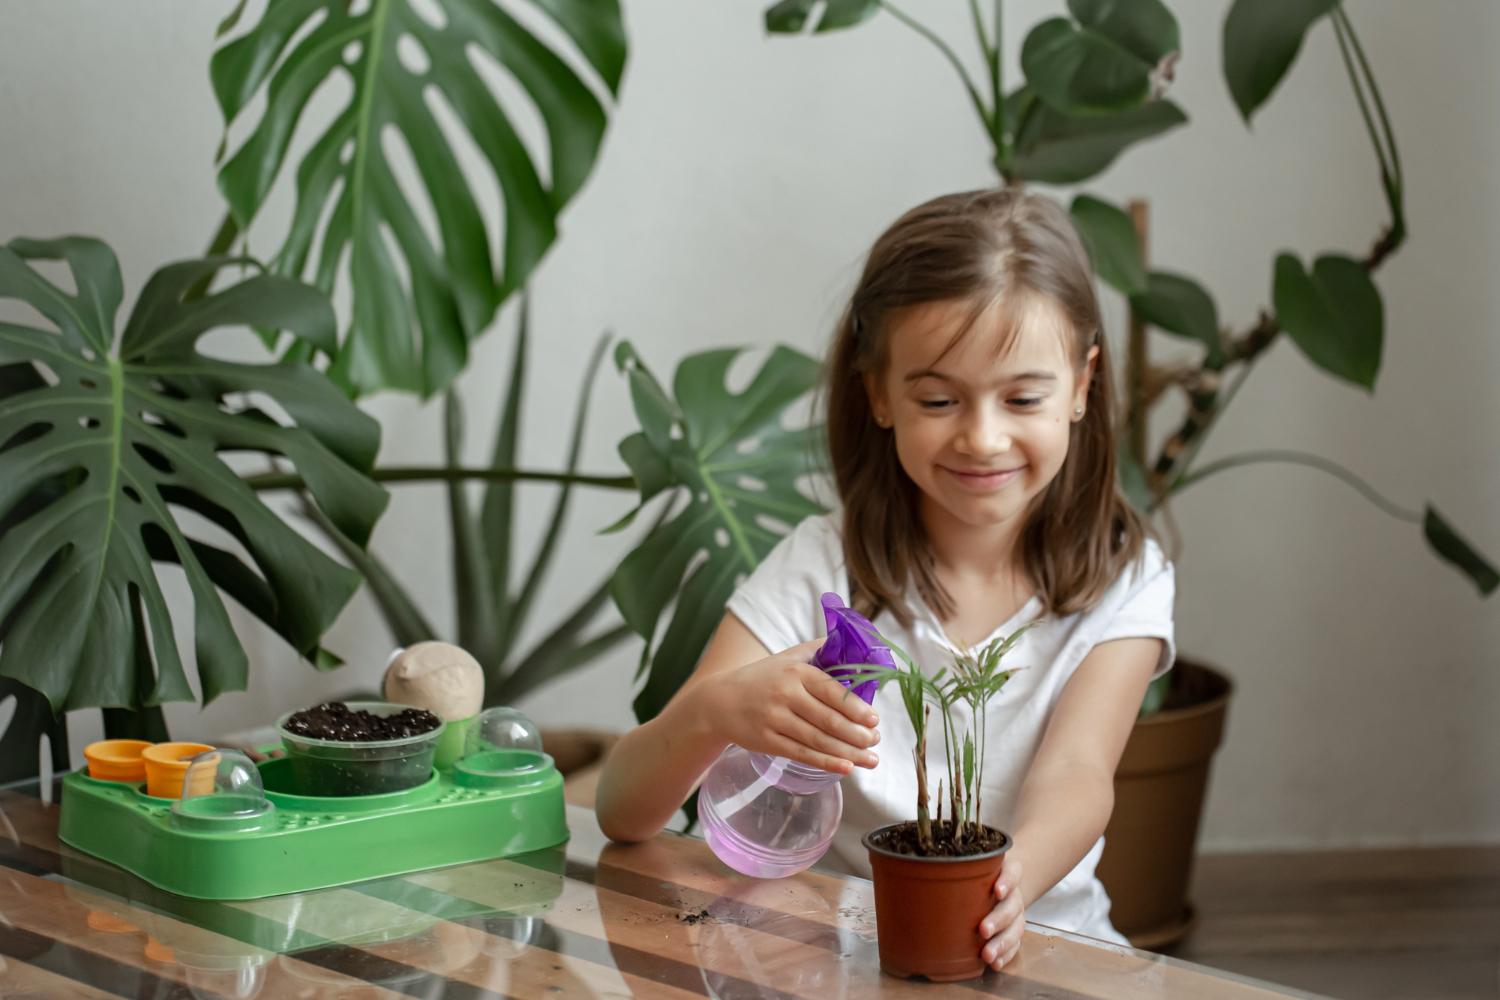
pixel 1159 791
pixel 927 910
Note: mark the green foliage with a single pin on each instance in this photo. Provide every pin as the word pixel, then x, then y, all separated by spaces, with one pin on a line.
pixel 127 430
pixel 734 465
pixel 974 677
pixel 1054 148
pixel 1178 304
pixel 417 302
pixel 1447 543
pixel 1102 60
pixel 1261 41
pixel 1334 314
pixel 1113 245
pixel 792 16
pixel 492 610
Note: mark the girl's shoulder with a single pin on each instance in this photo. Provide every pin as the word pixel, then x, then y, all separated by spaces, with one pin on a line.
pixel 1138 604
pixel 779 600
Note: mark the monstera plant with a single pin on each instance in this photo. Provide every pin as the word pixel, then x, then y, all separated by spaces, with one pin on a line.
pixel 113 448
pixel 427 271
pixel 383 206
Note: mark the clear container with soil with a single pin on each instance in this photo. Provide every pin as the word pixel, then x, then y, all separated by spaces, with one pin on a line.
pixel 360 747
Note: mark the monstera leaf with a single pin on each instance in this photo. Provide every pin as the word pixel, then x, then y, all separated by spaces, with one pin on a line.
pixel 736 466
pixel 418 300
pixel 106 441
pixel 1055 148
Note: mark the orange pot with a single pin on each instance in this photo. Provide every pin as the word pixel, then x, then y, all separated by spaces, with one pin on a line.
pixel 166 769
pixel 928 910
pixel 116 760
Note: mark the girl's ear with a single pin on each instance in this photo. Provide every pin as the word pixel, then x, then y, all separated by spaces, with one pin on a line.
pixel 1086 376
pixel 880 410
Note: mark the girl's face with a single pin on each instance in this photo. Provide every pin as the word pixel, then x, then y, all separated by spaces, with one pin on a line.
pixel 981 431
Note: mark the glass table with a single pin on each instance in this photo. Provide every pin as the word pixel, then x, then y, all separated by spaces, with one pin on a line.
pixel 589 919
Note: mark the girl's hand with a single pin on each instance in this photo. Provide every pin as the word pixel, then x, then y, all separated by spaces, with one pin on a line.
pixel 1006 923
pixel 783 705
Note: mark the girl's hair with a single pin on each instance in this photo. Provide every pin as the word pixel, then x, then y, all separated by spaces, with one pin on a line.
pixel 989 248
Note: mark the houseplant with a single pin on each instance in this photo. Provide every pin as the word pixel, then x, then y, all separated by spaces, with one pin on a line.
pixel 1094 85
pixel 423 287
pixel 933 878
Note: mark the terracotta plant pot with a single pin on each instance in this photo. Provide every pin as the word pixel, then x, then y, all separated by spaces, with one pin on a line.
pixel 1159 791
pixel 927 910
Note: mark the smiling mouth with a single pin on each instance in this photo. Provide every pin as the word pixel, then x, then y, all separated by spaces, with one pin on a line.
pixel 984 479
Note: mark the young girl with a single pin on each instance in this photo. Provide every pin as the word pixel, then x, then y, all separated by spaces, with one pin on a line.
pixel 970 431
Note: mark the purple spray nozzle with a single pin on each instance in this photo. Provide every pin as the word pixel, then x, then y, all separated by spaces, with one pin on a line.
pixel 852 647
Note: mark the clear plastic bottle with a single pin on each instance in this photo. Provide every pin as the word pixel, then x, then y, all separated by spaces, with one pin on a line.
pixel 768 816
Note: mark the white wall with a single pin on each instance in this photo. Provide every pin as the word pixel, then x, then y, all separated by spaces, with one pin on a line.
pixel 742 181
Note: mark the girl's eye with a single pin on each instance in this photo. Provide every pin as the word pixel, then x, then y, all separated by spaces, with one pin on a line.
pixel 1026 402
pixel 934 404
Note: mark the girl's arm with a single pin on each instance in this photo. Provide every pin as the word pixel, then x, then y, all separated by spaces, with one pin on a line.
pixel 738 694
pixel 1069 791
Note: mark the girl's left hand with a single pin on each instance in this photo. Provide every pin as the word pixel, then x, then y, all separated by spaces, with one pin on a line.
pixel 1006 923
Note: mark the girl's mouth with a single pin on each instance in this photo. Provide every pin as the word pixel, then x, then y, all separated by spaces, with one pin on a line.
pixel 983 480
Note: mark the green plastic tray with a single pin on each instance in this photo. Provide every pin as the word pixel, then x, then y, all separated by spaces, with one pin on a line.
pixel 312 842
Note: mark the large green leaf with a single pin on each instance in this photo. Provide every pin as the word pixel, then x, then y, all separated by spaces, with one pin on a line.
pixel 1334 314
pixel 1261 39
pixel 417 301
pixel 1054 148
pixel 791 16
pixel 1178 304
pixel 1102 60
pixel 736 466
pixel 127 433
pixel 1113 244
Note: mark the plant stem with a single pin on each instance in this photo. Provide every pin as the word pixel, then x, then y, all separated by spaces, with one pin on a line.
pixel 1311 461
pixel 951 56
pixel 409 474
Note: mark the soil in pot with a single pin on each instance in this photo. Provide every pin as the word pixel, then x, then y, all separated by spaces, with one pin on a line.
pixel 928 907
pixel 360 748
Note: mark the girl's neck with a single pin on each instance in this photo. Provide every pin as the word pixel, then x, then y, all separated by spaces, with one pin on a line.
pixel 980 568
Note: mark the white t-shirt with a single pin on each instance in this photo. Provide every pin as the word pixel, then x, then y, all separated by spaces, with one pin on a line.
pixel 779 604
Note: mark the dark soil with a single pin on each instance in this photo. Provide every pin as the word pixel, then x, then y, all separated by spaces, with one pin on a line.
pixel 903 840
pixel 702 916
pixel 334 721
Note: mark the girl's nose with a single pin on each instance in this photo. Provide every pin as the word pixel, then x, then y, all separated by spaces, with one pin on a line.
pixel 985 434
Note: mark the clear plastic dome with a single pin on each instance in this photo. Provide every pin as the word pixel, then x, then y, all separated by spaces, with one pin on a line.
pixel 222 790
pixel 502 728
pixel 768 816
pixel 503 746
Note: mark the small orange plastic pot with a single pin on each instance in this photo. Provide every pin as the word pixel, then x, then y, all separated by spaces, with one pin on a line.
pixel 928 910
pixel 167 766
pixel 116 760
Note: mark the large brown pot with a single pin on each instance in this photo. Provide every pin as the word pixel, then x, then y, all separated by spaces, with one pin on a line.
pixel 927 910
pixel 1159 791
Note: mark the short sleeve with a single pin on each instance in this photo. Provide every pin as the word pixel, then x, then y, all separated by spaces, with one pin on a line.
pixel 1145 612
pixel 779 601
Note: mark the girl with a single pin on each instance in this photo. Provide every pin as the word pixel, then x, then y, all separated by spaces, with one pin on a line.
pixel 970 431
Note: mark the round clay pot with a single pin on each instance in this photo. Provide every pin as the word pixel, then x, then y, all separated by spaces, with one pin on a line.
pixel 927 910
pixel 1159 790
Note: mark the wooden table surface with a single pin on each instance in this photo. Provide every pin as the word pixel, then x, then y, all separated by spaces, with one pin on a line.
pixel 594 919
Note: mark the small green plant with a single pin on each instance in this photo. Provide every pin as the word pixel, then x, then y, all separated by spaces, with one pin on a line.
pixel 973 679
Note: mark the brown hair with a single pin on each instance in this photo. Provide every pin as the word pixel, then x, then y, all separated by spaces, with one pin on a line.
pixel 982 247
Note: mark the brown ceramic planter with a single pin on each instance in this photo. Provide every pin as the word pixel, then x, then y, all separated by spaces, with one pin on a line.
pixel 1159 791
pixel 927 911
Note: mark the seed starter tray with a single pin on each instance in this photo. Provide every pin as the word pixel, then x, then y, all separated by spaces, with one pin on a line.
pixel 314 842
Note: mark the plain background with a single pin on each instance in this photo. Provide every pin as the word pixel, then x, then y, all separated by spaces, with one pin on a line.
pixel 741 182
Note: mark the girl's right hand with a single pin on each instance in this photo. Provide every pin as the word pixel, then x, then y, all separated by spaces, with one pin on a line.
pixel 785 706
